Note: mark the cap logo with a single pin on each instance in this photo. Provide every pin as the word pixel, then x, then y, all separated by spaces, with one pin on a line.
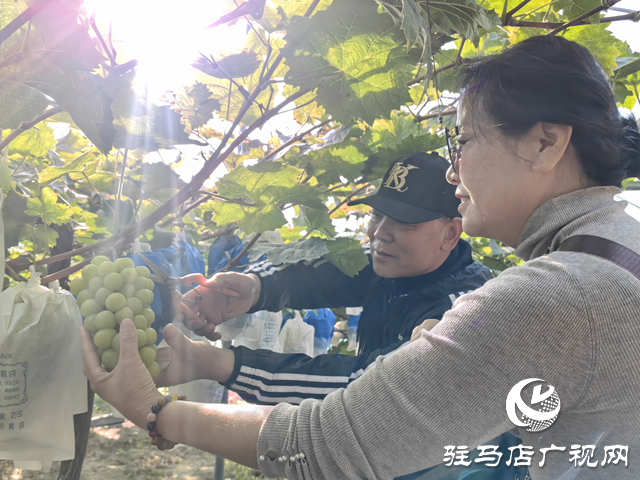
pixel 397 177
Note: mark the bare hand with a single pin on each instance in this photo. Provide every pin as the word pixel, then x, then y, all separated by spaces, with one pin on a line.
pixel 223 297
pixel 185 360
pixel 129 387
pixel 426 325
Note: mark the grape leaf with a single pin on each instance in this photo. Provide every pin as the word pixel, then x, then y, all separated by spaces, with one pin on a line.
pixel 387 133
pixel 318 220
pixel 293 252
pixel 51 174
pixel 262 187
pixel 160 181
pixel 599 41
pixel 58 49
pixel 35 142
pixel 329 164
pixel 140 123
pixel 238 65
pixel 464 17
pixel 332 137
pixel 575 8
pixel 626 66
pixel 355 56
pixel 19 103
pixel 378 163
pixel 195 105
pixel 41 236
pixel 347 254
pixel 72 142
pixel 47 207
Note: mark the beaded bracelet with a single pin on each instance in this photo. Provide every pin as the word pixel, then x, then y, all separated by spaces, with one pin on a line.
pixel 155 409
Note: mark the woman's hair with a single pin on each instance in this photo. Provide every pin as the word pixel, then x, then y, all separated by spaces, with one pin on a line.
pixel 554 80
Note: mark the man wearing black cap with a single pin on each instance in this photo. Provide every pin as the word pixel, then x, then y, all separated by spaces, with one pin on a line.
pixel 418 267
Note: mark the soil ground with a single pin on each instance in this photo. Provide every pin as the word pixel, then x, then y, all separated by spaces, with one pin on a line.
pixel 123 452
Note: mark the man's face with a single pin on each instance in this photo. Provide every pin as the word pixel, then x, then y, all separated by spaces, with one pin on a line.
pixel 404 249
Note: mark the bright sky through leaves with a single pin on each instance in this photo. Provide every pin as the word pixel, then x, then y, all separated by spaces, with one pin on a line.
pixel 165 36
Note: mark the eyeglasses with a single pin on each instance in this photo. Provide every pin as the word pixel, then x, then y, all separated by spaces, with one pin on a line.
pixel 455 150
pixel 452 135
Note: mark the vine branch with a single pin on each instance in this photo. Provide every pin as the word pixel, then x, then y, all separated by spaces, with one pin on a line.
pixel 296 138
pixel 24 126
pixel 234 262
pixel 578 19
pixel 451 111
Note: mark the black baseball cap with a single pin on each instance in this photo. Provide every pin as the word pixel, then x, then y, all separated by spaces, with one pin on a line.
pixel 415 190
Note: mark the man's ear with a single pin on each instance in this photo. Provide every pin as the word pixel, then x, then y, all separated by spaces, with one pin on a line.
pixel 549 143
pixel 453 230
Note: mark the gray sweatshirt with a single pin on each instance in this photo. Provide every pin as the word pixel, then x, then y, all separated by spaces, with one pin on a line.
pixel 572 320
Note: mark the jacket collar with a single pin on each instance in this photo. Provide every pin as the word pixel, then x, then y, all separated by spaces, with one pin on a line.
pixel 557 219
pixel 458 258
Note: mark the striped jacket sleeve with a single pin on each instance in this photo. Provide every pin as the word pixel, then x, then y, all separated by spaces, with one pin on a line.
pixel 264 377
pixel 318 284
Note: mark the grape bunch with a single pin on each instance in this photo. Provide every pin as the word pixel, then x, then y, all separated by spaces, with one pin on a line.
pixel 108 292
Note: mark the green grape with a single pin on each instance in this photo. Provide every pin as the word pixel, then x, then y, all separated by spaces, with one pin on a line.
pixel 115 302
pixel 110 358
pixel 152 335
pixel 90 307
pixel 154 370
pixel 83 296
pixel 152 296
pixel 151 285
pixel 95 284
pixel 105 319
pixel 99 351
pixel 104 338
pixel 113 281
pixel 148 355
pixel 115 344
pixel 106 268
pixel 135 305
pixel 123 313
pixel 154 346
pixel 129 275
pixel 102 294
pixel 99 259
pixel 90 324
pixel 143 271
pixel 77 285
pixel 140 322
pixel 128 290
pixel 89 272
pixel 140 283
pixel 142 338
pixel 145 296
pixel 123 263
pixel 149 314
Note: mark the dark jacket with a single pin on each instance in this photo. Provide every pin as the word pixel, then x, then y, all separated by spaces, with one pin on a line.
pixel 392 308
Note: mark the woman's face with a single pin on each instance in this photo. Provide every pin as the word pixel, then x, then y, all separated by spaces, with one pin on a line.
pixel 495 183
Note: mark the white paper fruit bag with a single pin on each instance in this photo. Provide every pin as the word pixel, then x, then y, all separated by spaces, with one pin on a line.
pixel 41 381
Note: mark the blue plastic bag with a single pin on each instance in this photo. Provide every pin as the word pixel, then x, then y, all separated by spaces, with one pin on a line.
pixel 323 321
pixel 185 259
pixel 235 251
pixel 176 261
pixel 223 243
